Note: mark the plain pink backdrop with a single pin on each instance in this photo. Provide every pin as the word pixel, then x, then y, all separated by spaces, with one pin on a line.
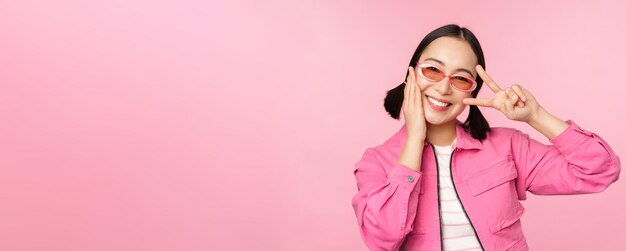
pixel 235 125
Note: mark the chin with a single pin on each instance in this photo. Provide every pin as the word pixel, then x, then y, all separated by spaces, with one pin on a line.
pixel 437 121
pixel 438 118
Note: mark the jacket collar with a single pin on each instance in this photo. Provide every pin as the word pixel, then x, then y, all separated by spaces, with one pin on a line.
pixel 464 139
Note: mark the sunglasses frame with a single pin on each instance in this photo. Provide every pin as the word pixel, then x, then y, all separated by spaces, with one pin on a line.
pixel 421 66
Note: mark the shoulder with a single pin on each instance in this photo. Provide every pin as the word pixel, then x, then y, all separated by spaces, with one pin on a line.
pixel 500 137
pixel 384 154
pixel 503 132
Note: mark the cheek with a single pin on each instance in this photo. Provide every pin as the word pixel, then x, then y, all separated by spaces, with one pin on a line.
pixel 461 97
pixel 423 84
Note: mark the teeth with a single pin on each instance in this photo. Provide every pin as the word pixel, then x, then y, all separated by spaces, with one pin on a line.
pixel 437 103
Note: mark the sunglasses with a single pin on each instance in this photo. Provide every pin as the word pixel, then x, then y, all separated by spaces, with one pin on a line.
pixel 435 74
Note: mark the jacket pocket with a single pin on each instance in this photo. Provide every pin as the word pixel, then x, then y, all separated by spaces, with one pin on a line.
pixel 508 221
pixel 519 245
pixel 491 177
pixel 507 233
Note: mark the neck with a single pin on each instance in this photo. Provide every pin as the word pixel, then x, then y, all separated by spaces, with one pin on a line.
pixel 441 135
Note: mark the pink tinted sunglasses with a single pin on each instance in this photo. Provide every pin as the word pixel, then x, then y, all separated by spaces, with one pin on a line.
pixel 435 74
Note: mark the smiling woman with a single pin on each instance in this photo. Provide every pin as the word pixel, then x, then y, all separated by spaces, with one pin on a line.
pixel 439 184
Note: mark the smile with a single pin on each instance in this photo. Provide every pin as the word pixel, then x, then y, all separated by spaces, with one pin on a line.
pixel 437 102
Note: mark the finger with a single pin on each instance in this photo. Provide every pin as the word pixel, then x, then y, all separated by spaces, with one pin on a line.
pixel 508 107
pixel 409 87
pixel 513 96
pixel 410 77
pixel 418 90
pixel 406 95
pixel 418 97
pixel 408 71
pixel 516 101
pixel 519 92
pixel 406 87
pixel 417 94
pixel 411 81
pixel 488 81
pixel 411 93
pixel 510 93
pixel 478 101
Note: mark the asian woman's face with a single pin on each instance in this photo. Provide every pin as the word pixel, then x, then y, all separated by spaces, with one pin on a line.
pixel 453 56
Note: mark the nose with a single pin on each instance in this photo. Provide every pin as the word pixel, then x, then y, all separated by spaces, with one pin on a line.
pixel 443 86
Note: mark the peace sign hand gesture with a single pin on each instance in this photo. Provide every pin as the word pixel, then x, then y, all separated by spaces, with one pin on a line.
pixel 515 102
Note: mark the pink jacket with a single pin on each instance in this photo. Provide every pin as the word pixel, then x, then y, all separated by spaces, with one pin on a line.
pixel 397 207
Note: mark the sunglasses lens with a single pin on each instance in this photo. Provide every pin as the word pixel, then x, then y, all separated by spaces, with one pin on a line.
pixel 433 73
pixel 462 83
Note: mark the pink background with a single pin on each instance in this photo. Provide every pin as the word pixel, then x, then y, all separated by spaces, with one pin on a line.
pixel 235 125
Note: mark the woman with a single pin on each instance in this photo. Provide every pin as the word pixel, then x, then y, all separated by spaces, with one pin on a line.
pixel 439 184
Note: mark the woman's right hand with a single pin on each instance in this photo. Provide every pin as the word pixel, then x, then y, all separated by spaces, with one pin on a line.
pixel 413 107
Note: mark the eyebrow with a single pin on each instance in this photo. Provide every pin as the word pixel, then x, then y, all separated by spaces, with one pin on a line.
pixel 460 69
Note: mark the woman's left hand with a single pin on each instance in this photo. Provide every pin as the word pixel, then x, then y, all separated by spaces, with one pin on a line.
pixel 515 102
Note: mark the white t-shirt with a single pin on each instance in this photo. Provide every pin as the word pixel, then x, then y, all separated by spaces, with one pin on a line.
pixel 456 230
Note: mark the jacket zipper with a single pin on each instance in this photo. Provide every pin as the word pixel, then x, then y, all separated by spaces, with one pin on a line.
pixel 438 200
pixel 457 195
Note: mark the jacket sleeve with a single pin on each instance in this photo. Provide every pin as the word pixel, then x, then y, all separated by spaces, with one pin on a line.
pixel 578 162
pixel 385 205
